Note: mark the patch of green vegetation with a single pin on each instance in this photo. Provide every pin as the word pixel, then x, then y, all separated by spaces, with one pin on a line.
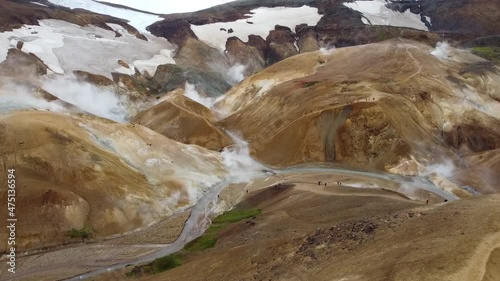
pixel 83 233
pixel 309 84
pixel 489 53
pixel 383 35
pixel 209 238
pixel 157 266
pixel 236 215
pixel 140 270
pixel 206 241
pixel 166 263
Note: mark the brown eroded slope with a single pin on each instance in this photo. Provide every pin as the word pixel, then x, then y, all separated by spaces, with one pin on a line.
pixel 257 85
pixel 184 120
pixel 372 106
pixel 483 169
pixel 77 171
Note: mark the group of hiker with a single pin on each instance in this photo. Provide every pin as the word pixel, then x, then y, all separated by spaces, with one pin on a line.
pixel 338 183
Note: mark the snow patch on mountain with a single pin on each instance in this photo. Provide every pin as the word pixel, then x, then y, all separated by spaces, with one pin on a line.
pixel 376 13
pixel 136 19
pixel 428 19
pixel 260 22
pixel 65 47
pixel 150 65
pixel 39 4
pixel 169 6
pixel 39 40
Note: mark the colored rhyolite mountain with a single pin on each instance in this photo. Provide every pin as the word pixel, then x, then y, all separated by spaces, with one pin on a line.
pixel 367 133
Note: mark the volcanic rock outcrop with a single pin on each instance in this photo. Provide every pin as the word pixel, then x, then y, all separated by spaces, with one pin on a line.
pixel 252 54
pixel 169 77
pixel 281 42
pixel 20 64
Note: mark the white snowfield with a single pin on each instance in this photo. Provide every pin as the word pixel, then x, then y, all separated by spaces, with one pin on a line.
pixel 169 6
pixel 260 22
pixel 376 13
pixel 39 40
pixel 136 19
pixel 65 47
pixel 40 4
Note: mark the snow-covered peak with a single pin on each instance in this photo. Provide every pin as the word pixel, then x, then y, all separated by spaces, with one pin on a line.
pixel 140 20
pixel 169 6
pixel 136 19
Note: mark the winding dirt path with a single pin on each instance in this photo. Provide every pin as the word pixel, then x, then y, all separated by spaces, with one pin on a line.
pixel 418 65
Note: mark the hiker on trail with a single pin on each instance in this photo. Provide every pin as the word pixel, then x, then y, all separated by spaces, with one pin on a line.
pixel 319 183
pixel 325 183
pixel 427 201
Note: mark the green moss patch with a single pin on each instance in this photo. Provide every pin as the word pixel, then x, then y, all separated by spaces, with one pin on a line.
pixel 83 233
pixel 236 215
pixel 166 263
pixel 206 241
pixel 157 266
pixel 209 238
pixel 489 53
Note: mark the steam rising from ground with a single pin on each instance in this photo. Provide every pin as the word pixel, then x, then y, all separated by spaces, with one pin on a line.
pixel 83 96
pixel 240 165
pixel 236 73
pixel 442 50
pixel 15 96
pixel 88 97
pixel 444 169
pixel 190 92
pixel 328 49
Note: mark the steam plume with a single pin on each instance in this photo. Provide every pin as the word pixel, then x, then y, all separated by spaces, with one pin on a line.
pixel 190 92
pixel 442 50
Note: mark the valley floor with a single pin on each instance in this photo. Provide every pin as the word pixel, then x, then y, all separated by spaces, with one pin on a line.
pixel 309 231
